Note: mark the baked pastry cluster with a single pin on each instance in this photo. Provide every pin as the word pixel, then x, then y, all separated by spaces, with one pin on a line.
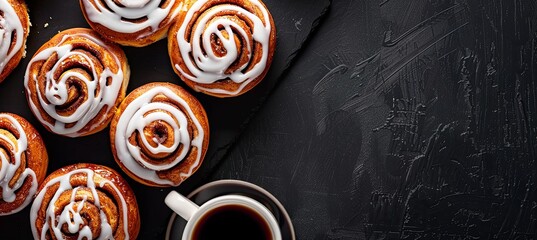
pixel 220 48
pixel 76 84
pixel 14 29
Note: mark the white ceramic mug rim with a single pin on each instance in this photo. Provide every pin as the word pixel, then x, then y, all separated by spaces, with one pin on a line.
pixel 233 199
pixel 286 225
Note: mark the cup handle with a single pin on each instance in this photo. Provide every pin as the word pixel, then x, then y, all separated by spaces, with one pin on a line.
pixel 181 205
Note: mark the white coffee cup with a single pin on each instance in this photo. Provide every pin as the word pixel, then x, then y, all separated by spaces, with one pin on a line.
pixel 193 213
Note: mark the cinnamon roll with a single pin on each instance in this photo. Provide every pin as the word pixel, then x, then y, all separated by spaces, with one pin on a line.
pixel 75 82
pixel 160 134
pixel 133 23
pixel 14 29
pixel 222 48
pixel 23 163
pixel 85 201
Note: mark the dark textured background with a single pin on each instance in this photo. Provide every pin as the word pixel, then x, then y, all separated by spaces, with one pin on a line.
pixel 399 119
pixel 405 119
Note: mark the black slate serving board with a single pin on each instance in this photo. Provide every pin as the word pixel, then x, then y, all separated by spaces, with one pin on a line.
pixel 295 21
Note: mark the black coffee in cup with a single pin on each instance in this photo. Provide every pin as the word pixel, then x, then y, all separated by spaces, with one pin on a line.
pixel 232 222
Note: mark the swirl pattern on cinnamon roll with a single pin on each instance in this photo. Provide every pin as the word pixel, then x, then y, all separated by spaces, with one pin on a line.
pixel 14 29
pixel 131 22
pixel 160 134
pixel 222 48
pixel 23 163
pixel 85 201
pixel 75 82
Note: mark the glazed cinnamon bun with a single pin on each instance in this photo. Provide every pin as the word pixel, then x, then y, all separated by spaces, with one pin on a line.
pixel 75 82
pixel 23 163
pixel 14 29
pixel 85 201
pixel 222 48
pixel 160 134
pixel 132 23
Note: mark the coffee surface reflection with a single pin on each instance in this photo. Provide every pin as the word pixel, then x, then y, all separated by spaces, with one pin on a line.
pixel 232 222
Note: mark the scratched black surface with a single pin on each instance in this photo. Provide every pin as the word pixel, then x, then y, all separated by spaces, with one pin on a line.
pixel 294 19
pixel 405 119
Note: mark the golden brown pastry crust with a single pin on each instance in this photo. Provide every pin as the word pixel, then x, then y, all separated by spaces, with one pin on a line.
pixel 189 164
pixel 141 38
pixel 103 58
pixel 34 157
pixel 223 84
pixel 109 202
pixel 22 11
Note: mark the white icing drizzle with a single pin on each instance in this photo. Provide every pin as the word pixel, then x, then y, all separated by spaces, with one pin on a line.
pixel 110 15
pixel 56 90
pixel 10 25
pixel 133 119
pixel 209 68
pixel 71 215
pixel 8 170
